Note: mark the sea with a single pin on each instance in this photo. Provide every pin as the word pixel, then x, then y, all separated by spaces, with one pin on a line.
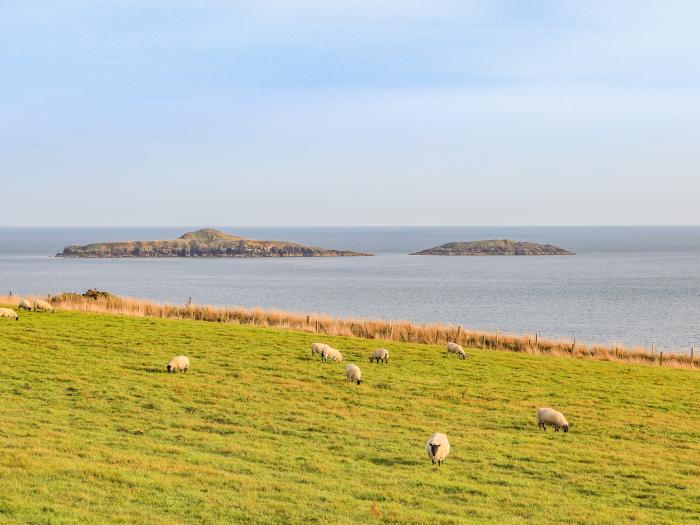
pixel 636 286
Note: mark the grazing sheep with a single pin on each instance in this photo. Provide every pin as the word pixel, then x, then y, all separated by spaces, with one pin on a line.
pixel 437 448
pixel 179 363
pixel 42 306
pixel 329 352
pixel 8 314
pixel 353 373
pixel 454 348
pixel 317 348
pixel 548 417
pixel 380 354
pixel 25 304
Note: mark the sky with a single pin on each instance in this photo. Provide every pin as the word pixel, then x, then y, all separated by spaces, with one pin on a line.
pixel 317 113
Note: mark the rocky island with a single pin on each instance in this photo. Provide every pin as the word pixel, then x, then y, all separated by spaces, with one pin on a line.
pixel 202 243
pixel 495 247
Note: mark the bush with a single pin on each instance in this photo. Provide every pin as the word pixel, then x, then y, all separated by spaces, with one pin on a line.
pixel 93 293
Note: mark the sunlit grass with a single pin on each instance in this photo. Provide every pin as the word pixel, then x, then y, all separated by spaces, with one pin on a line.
pixel 94 430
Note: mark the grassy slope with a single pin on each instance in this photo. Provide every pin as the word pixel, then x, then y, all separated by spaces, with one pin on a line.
pixel 94 430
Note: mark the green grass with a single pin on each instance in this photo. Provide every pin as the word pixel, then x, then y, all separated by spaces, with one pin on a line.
pixel 94 430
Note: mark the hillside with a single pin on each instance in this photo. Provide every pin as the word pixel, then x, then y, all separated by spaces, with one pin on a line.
pixel 494 247
pixel 94 430
pixel 202 243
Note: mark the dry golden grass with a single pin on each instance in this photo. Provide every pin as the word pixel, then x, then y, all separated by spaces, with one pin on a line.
pixel 400 331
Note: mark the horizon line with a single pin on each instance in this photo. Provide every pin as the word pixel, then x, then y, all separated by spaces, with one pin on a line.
pixel 364 226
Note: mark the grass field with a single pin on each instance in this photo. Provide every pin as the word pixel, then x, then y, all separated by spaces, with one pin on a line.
pixel 94 430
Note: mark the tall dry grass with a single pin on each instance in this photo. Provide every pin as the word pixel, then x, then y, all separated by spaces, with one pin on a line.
pixel 401 331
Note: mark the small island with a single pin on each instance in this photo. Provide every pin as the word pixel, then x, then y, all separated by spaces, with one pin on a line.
pixel 202 243
pixel 495 247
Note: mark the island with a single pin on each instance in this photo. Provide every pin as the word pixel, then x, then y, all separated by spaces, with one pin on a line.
pixel 495 247
pixel 202 243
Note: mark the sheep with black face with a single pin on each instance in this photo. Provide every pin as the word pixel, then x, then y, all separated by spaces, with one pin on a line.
pixel 548 417
pixel 25 304
pixel 380 354
pixel 353 373
pixel 437 448
pixel 180 363
pixel 7 313
pixel 454 348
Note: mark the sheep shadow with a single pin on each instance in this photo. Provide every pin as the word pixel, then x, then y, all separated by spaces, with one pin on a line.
pixel 154 370
pixel 388 462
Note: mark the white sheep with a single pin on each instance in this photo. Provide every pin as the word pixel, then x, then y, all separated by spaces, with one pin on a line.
pixel 380 354
pixel 25 304
pixel 317 348
pixel 42 306
pixel 353 373
pixel 179 363
pixel 329 352
pixel 437 448
pixel 7 313
pixel 548 417
pixel 454 348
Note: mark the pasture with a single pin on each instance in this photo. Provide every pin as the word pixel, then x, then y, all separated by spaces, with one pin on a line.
pixel 94 430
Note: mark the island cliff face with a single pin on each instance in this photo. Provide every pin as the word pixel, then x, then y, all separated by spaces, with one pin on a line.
pixel 494 247
pixel 202 243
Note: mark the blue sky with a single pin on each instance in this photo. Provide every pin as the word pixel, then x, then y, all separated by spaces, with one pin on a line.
pixel 349 113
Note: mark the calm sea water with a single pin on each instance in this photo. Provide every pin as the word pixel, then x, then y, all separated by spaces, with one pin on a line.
pixel 633 285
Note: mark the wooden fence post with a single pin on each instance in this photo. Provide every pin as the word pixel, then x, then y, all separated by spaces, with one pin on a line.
pixel 308 318
pixel 317 326
pixel 653 347
pixel 661 358
pixel 692 349
pixel 536 338
pixel 573 346
pixel 459 331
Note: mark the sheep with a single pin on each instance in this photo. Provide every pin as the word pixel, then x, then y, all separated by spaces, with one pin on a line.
pixel 454 348
pixel 25 304
pixel 7 313
pixel 437 448
pixel 42 306
pixel 179 363
pixel 548 417
pixel 317 348
pixel 380 354
pixel 353 373
pixel 329 352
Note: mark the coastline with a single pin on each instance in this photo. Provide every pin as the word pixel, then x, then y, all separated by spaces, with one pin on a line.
pixel 389 330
